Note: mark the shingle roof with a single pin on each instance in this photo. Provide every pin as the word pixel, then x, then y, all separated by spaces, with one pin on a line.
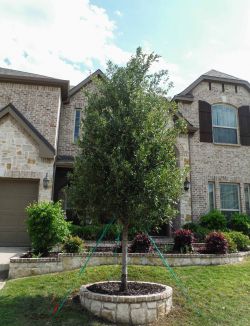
pixel 12 72
pixel 211 76
pixel 216 73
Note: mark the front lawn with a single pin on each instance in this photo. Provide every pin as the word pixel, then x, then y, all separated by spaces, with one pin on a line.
pixel 221 293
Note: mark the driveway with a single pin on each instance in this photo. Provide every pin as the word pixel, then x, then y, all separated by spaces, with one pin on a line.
pixel 5 254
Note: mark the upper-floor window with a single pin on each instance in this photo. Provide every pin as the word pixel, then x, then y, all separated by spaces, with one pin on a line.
pixel 224 120
pixel 77 126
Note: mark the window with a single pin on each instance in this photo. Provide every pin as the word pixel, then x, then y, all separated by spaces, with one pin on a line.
pixel 211 197
pixel 229 198
pixel 247 198
pixel 77 124
pixel 224 119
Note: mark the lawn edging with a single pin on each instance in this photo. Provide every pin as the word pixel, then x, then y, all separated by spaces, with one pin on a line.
pixel 22 267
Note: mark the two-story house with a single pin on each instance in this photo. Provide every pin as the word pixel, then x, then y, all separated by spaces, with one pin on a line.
pixel 217 104
pixel 40 124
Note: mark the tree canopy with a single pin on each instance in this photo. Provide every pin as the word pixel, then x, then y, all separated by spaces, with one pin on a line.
pixel 127 167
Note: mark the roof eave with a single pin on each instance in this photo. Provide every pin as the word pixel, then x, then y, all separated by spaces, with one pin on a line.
pixel 186 96
pixel 85 82
pixel 63 84
pixel 46 150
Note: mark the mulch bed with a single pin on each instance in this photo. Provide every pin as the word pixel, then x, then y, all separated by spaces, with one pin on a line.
pixel 29 254
pixel 134 288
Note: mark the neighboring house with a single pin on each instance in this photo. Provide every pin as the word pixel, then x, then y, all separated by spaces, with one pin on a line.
pixel 40 124
pixel 217 104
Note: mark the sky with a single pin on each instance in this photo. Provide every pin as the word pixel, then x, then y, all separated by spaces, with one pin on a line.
pixel 69 39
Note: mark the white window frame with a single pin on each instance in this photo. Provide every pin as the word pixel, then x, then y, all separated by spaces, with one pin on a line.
pixel 226 127
pixel 75 112
pixel 238 187
pixel 247 194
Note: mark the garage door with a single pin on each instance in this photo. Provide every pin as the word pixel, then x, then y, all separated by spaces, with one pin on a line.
pixel 15 195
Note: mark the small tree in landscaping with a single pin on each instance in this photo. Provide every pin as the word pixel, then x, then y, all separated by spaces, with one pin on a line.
pixel 46 226
pixel 126 167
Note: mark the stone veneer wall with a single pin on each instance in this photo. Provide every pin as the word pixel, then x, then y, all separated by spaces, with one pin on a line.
pixel 22 267
pixel 19 156
pixel 213 162
pixel 182 146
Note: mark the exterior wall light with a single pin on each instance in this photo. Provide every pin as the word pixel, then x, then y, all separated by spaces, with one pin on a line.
pixel 186 184
pixel 46 182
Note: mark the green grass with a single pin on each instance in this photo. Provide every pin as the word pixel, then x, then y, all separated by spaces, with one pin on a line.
pixel 221 293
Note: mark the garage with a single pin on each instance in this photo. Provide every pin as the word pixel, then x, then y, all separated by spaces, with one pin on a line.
pixel 15 195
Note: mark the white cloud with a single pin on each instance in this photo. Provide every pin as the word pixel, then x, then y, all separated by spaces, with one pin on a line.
pixel 225 46
pixel 118 13
pixel 59 38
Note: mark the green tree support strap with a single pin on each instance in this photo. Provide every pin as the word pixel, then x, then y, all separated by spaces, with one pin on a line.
pixel 59 306
pixel 175 277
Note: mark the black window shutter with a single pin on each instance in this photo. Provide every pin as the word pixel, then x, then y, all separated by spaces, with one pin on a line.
pixel 244 124
pixel 205 118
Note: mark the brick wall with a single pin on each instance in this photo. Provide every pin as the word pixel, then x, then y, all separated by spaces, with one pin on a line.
pixel 66 145
pixel 39 104
pixel 212 162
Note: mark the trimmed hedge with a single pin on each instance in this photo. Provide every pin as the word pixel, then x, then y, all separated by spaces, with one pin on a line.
pixel 240 222
pixel 214 220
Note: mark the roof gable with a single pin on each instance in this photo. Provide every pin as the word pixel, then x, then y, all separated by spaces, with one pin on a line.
pixel 86 81
pixel 46 150
pixel 212 76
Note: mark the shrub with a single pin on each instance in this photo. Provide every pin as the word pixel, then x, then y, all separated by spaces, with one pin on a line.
pixel 199 231
pixel 141 243
pixel 91 231
pixel 240 222
pixel 214 220
pixel 232 246
pixel 94 231
pixel 183 241
pixel 73 244
pixel 46 226
pixel 242 241
pixel 76 230
pixel 216 243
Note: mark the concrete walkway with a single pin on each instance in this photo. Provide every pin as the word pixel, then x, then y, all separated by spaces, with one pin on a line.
pixel 5 254
pixel 8 252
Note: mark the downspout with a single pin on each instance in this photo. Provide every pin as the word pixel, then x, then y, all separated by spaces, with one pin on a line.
pixel 190 175
pixel 56 147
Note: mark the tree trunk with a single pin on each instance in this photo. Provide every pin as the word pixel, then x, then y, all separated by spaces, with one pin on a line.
pixel 124 277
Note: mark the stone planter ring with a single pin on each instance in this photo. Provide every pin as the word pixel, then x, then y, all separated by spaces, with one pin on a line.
pixel 132 310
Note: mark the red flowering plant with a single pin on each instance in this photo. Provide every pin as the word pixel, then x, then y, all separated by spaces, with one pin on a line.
pixel 216 243
pixel 141 243
pixel 183 240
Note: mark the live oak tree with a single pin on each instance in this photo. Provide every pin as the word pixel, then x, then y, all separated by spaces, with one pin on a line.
pixel 126 167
